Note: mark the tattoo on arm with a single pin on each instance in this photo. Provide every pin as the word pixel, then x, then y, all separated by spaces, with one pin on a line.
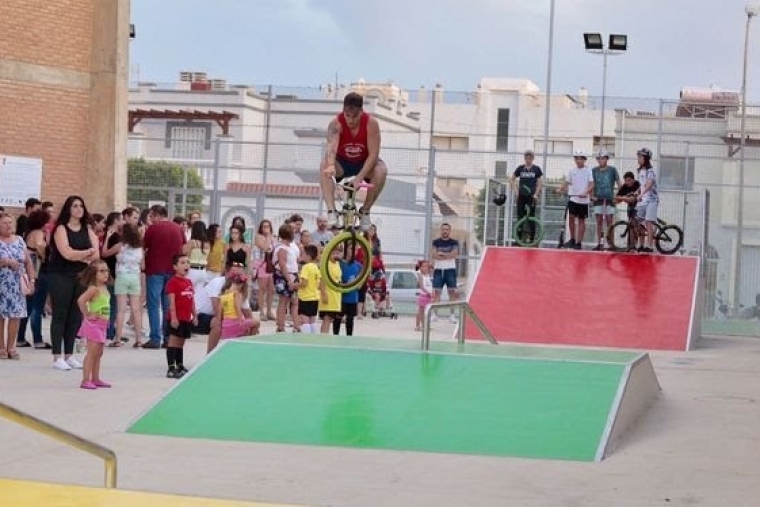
pixel 333 137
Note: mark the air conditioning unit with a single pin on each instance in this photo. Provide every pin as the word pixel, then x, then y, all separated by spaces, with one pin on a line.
pixel 200 86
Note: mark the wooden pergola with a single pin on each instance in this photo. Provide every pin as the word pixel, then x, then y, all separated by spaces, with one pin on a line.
pixel 222 119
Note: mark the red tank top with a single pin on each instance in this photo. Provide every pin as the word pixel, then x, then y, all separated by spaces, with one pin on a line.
pixel 353 148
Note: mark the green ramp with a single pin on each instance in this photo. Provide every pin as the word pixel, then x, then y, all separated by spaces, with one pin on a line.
pixel 468 400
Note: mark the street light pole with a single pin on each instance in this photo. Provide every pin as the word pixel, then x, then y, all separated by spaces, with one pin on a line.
pixel 548 105
pixel 604 100
pixel 752 11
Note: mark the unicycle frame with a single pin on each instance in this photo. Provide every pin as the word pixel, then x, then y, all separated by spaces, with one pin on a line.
pixel 526 221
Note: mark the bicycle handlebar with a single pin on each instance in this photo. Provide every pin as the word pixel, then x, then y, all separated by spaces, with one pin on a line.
pixel 347 184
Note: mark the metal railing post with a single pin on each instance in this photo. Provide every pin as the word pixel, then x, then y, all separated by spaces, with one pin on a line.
pixel 66 437
pixel 465 309
pixel 429 203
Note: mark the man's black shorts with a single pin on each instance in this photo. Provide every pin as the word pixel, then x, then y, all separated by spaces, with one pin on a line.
pixel 577 210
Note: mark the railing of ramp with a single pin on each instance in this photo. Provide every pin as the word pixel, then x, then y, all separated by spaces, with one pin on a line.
pixel 464 310
pixel 66 437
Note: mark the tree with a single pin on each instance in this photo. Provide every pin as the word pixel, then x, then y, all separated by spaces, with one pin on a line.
pixel 153 181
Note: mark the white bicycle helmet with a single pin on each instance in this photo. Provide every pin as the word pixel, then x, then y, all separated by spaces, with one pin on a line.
pixel 580 154
pixel 602 154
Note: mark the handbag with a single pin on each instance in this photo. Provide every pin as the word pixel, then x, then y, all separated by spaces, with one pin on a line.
pixel 26 285
pixel 268 262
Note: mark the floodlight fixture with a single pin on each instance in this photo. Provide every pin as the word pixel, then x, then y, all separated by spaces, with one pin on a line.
pixel 618 42
pixel 593 41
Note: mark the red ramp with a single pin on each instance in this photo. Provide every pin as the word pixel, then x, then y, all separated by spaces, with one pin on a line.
pixel 595 299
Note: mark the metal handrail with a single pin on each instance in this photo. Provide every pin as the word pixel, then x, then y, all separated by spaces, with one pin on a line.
pixel 464 307
pixel 68 438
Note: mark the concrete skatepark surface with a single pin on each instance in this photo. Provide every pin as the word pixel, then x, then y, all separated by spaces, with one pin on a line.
pixel 697 445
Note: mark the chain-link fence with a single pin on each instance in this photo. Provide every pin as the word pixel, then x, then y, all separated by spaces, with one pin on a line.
pixel 438 173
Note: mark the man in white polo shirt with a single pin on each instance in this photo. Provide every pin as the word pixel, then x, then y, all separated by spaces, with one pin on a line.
pixel 579 184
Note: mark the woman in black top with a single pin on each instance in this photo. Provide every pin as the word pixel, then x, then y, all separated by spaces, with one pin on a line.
pixel 238 251
pixel 36 243
pixel 73 247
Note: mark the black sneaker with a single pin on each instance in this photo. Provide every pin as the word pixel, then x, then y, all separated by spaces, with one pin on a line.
pixel 577 246
pixel 570 244
pixel 599 248
pixel 23 344
pixel 646 249
pixel 172 373
pixel 180 372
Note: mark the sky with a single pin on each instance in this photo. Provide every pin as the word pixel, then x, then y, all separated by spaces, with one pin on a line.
pixel 671 43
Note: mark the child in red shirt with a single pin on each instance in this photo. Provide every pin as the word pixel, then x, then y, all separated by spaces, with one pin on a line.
pixel 182 315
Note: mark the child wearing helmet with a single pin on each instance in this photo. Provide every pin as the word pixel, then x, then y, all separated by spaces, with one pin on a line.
pixel 648 199
pixel 606 177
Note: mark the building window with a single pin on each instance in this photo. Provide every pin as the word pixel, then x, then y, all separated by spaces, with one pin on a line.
pixel 606 143
pixel 451 143
pixel 676 173
pixel 554 147
pixel 502 130
pixel 188 142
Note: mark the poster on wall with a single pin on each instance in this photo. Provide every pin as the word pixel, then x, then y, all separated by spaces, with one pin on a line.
pixel 20 179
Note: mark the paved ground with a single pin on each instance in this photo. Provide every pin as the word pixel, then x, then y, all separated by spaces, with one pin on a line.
pixel 699 444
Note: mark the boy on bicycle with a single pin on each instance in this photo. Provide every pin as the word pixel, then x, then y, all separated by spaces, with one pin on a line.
pixel 628 192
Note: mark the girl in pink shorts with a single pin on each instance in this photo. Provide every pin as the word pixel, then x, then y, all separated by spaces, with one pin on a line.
pixel 425 295
pixel 95 305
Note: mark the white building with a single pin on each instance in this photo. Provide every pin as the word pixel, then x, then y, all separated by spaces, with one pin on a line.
pixel 279 140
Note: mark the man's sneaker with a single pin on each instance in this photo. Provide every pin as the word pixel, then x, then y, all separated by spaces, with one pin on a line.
pixel 171 373
pixel 332 219
pixel 570 244
pixel 577 246
pixel 181 372
pixel 60 364
pixel 599 247
pixel 453 319
pixel 74 363
pixel 365 222
pixel 646 249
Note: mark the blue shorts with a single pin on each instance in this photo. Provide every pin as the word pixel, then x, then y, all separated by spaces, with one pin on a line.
pixel 351 169
pixel 447 277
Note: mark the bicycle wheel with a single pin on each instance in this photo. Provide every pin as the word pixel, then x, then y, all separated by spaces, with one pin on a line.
pixel 620 236
pixel 528 231
pixel 668 240
pixel 349 244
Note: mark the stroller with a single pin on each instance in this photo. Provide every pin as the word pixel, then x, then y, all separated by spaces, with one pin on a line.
pixel 378 294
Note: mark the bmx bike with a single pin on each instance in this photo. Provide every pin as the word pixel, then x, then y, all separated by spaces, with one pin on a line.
pixel 668 238
pixel 349 242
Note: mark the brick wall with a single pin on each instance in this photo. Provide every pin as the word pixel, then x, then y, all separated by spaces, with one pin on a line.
pixel 74 125
pixel 45 32
pixel 47 123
